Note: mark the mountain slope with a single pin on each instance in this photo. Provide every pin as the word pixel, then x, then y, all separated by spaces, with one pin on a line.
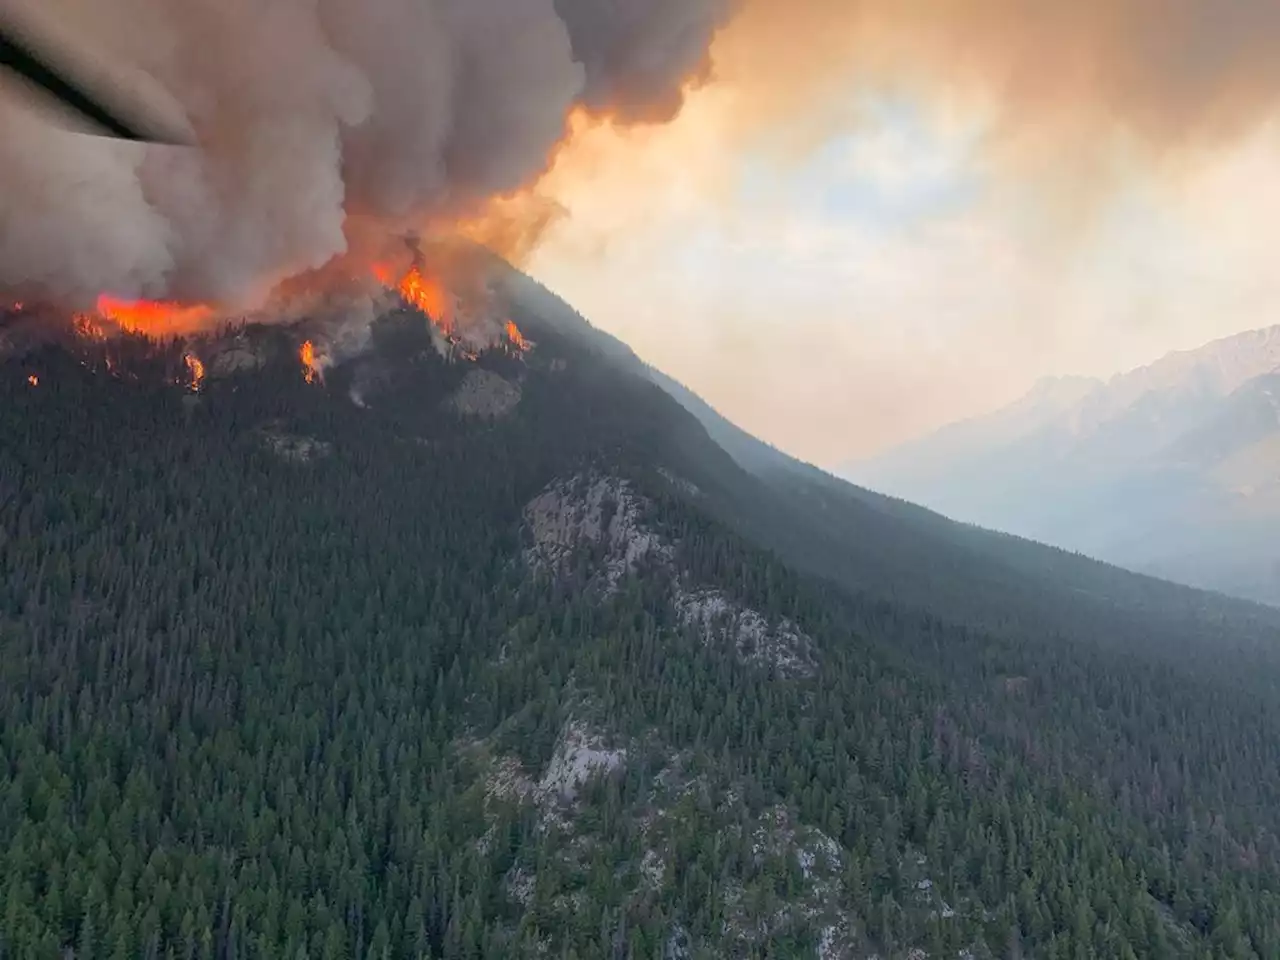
pixel 1168 469
pixel 288 674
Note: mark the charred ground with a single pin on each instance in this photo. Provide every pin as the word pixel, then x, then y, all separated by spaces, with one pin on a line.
pixel 350 669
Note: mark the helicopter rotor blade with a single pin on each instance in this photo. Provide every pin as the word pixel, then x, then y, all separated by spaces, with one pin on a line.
pixel 26 63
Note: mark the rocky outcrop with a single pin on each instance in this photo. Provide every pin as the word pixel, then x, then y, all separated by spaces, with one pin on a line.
pixel 485 394
pixel 780 645
pixel 604 513
pixel 288 446
pixel 591 511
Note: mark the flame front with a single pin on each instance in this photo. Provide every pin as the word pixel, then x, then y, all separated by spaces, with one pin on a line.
pixel 195 370
pixel 428 294
pixel 517 338
pixel 307 354
pixel 154 317
pixel 33 380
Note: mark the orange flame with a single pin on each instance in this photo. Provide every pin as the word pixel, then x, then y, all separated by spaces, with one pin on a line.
pixel 195 369
pixel 307 354
pixel 517 338
pixel 87 328
pixel 153 317
pixel 33 380
pixel 428 294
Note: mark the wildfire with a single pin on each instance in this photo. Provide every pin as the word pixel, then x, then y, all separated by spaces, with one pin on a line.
pixel 154 317
pixel 426 293
pixel 87 328
pixel 195 370
pixel 33 380
pixel 307 354
pixel 517 338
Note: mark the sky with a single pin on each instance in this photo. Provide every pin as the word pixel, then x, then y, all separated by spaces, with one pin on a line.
pixel 895 277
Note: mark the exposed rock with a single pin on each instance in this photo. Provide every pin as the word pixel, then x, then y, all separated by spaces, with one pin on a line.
pixel 591 511
pixel 507 781
pixel 653 869
pixel 819 904
pixel 781 646
pixel 677 946
pixel 579 756
pixel 605 512
pixel 520 884
pixel 484 393
pixel 235 355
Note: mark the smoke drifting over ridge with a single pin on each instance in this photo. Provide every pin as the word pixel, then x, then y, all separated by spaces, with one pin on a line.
pixel 324 123
pixel 313 116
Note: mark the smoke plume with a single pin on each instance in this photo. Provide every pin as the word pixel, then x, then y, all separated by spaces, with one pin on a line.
pixel 315 119
pixel 323 123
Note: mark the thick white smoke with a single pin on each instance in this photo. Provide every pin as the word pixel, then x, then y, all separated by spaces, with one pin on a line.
pixel 311 115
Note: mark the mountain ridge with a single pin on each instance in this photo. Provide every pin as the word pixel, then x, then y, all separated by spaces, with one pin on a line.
pixel 1130 471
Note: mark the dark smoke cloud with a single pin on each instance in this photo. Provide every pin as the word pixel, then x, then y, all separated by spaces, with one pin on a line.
pixel 312 115
pixel 632 48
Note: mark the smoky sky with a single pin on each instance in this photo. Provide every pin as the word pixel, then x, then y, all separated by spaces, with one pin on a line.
pixel 1170 74
pixel 314 115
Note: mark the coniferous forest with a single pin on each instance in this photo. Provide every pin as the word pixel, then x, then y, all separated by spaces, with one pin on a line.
pixel 285 675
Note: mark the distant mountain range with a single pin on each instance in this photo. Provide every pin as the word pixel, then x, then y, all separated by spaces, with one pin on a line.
pixel 1171 469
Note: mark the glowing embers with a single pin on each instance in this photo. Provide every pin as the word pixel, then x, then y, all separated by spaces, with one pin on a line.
pixel 88 328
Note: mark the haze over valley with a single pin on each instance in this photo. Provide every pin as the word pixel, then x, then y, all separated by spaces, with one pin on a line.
pixel 1173 468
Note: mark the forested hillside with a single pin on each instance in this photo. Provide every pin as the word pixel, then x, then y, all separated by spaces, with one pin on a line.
pixel 371 668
